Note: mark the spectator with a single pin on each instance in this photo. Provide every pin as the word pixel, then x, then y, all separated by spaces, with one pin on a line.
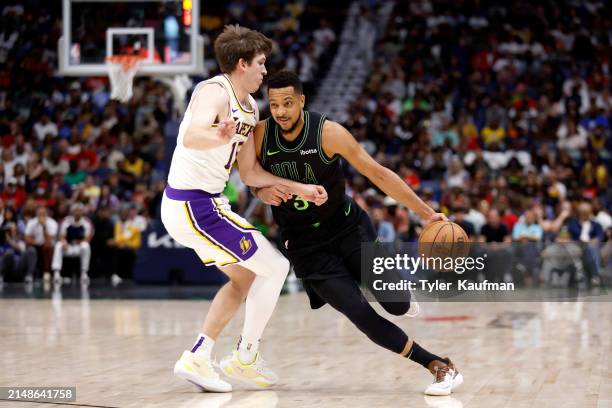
pixel 14 195
pixel 447 135
pixel 74 238
pixel 384 229
pixel 527 229
pixel 75 175
pixel 494 230
pixel 602 216
pixel 584 228
pixel 572 138
pixel 103 242
pixel 44 128
pixel 493 135
pixel 458 218
pixel 41 234
pixel 551 227
pixel 127 243
pixel 527 232
pixel 133 164
pixel 54 164
pixel 588 231
pixel 562 262
pixel 456 176
pixel 34 168
pixel 17 263
pixel 476 217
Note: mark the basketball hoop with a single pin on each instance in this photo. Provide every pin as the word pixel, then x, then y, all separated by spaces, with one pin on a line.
pixel 121 71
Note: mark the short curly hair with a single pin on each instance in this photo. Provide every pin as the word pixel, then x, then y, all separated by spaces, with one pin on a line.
pixel 283 79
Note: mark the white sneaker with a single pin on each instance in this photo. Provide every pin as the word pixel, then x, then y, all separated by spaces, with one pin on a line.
pixel 115 280
pixel 446 379
pixel 256 373
pixel 199 371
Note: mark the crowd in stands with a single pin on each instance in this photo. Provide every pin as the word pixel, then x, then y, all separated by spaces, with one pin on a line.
pixel 498 114
pixel 81 176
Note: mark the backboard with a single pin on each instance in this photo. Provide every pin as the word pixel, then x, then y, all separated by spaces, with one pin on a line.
pixel 165 33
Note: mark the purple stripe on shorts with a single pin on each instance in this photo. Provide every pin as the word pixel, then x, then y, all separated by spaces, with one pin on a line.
pixel 228 219
pixel 240 243
pixel 188 195
pixel 198 344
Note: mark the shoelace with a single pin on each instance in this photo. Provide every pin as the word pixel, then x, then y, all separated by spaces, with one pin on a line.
pixel 441 374
pixel 262 367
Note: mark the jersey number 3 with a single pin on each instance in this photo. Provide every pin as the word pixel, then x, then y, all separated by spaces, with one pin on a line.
pixel 300 204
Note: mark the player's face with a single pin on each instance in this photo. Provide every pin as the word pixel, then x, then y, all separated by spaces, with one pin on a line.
pixel 255 71
pixel 286 107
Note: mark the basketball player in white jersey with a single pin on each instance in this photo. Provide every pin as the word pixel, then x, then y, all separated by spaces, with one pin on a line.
pixel 216 130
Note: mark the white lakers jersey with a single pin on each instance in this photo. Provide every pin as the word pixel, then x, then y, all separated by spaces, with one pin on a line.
pixel 209 170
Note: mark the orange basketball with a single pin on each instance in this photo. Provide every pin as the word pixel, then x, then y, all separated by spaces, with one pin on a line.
pixel 443 239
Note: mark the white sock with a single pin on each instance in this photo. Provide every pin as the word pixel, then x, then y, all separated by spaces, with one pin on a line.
pixel 203 345
pixel 271 269
pixel 247 350
pixel 260 303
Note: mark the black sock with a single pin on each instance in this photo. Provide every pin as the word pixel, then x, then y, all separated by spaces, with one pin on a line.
pixel 419 355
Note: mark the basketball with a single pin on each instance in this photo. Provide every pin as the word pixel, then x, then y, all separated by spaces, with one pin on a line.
pixel 443 239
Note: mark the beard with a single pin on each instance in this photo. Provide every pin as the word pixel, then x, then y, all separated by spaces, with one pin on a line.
pixel 292 127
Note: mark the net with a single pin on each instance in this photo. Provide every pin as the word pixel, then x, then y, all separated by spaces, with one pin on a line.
pixel 121 71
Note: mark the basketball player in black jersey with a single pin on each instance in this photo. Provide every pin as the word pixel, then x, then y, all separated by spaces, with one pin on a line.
pixel 324 242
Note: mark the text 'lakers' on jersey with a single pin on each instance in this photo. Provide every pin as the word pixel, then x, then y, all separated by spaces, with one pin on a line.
pixel 209 170
pixel 303 160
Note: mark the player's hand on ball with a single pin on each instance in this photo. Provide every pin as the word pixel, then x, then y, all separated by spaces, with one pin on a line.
pixel 274 195
pixel 433 218
pixel 313 193
pixel 226 129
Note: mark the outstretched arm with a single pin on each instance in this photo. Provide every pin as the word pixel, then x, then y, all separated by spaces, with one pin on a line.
pixel 337 140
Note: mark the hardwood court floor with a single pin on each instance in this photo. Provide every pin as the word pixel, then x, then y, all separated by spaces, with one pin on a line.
pixel 120 353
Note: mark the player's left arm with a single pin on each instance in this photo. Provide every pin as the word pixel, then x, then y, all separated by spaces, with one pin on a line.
pixel 337 140
pixel 272 195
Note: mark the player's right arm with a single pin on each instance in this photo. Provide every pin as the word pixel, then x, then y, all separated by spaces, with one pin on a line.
pixel 210 105
pixel 273 195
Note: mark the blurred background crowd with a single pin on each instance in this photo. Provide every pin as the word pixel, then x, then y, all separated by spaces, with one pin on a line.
pixel 496 113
